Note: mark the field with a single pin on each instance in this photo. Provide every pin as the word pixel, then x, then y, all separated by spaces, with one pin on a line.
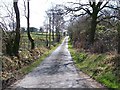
pixel 39 39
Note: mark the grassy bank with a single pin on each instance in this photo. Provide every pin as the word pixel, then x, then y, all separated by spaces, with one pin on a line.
pixel 104 68
pixel 29 68
pixel 14 68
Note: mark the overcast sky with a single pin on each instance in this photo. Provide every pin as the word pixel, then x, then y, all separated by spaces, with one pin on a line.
pixel 37 10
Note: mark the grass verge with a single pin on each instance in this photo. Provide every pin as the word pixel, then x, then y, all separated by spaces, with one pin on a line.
pixel 20 73
pixel 29 68
pixel 102 67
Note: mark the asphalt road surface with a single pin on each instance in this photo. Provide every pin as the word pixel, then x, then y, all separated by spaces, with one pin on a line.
pixel 57 71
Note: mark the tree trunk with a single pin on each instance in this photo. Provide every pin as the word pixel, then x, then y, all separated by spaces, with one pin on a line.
pixel 47 38
pixel 17 30
pixel 50 31
pixel 28 29
pixel 53 27
pixel 119 30
pixel 53 35
pixel 92 31
pixel 118 38
pixel 57 34
pixel 93 27
pixel 9 46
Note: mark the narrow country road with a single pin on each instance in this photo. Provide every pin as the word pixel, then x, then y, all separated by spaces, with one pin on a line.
pixel 57 71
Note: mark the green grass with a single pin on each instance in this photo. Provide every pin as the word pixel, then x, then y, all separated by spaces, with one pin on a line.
pixel 109 79
pixel 39 39
pixel 95 65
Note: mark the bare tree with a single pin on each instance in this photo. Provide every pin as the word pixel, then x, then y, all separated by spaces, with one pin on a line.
pixel 59 20
pixel 49 15
pixel 28 23
pixel 17 30
pixel 11 32
pixel 28 27
pixel 53 16
pixel 46 27
pixel 56 21
pixel 118 24
pixel 47 35
pixel 8 19
pixel 118 38
pixel 95 11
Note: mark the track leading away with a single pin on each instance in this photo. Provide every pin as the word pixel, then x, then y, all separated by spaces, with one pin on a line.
pixel 57 71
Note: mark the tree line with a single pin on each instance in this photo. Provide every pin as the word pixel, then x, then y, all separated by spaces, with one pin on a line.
pixel 11 39
pixel 97 25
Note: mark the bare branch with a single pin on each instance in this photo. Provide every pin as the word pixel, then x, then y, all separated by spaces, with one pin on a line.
pixel 108 23
pixel 79 4
pixel 103 6
pixel 78 9
pixel 117 8
pixel 99 4
pixel 80 15
pixel 105 18
pixel 3 25
pixel 25 8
